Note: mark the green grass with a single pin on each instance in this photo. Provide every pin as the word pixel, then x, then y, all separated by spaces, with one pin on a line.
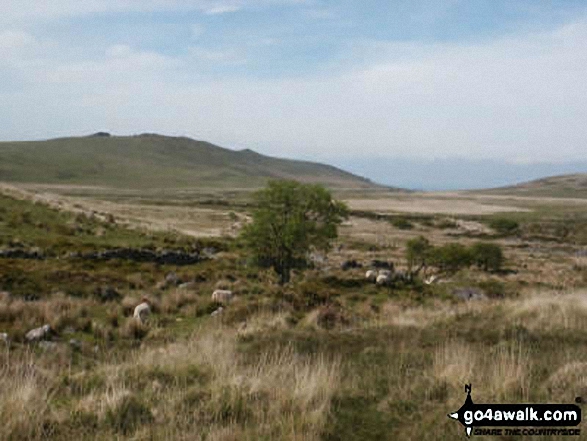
pixel 153 161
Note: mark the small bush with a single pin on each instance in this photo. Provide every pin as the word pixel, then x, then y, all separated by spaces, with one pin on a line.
pixel 451 257
pixel 504 225
pixel 487 256
pixel 401 223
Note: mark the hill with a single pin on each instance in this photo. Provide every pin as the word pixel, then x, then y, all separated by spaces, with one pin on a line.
pixel 155 161
pixel 564 186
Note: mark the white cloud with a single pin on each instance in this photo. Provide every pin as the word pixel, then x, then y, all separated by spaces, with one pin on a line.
pixel 521 98
pixel 15 39
pixel 23 11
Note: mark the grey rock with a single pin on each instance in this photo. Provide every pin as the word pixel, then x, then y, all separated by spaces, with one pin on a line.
pixel 469 294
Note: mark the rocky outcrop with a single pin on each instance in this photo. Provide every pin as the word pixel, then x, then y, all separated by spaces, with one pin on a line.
pixel 164 257
pixel 20 253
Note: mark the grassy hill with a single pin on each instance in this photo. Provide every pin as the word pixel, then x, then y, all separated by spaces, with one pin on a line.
pixel 569 186
pixel 155 161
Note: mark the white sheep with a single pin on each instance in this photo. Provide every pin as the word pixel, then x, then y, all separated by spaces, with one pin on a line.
pixel 385 272
pixel 430 280
pixel 383 279
pixel 142 311
pixel 222 296
pixel 38 334
pixel 371 275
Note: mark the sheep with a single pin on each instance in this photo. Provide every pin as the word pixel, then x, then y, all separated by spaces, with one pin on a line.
pixel 38 334
pixel 222 296
pixel 385 272
pixel 4 337
pixel 430 280
pixel 217 311
pixel 142 311
pixel 383 279
pixel 371 275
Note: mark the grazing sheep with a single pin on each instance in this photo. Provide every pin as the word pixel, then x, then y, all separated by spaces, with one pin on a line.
pixel 142 311
pixel 371 275
pixel 38 334
pixel 217 311
pixel 222 296
pixel 430 280
pixel 4 337
pixel 383 279
pixel 385 272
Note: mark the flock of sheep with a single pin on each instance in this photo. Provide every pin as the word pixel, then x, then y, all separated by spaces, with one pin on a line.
pixel 143 310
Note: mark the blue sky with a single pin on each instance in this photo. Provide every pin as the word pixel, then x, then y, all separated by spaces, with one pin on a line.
pixel 316 79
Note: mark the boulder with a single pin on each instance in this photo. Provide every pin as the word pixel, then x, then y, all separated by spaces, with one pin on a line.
pixel 107 294
pixel 349 264
pixel 469 294
pixel 381 264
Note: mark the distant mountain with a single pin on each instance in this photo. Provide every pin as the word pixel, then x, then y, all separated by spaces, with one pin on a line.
pixel 569 186
pixel 155 161
pixel 451 173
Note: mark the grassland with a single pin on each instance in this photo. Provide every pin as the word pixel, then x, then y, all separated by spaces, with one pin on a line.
pixel 565 186
pixel 155 162
pixel 328 357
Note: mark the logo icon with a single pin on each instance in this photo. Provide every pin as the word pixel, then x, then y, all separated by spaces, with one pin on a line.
pixel 472 415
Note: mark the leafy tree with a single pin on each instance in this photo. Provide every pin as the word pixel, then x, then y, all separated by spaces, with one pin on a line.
pixel 487 256
pixel 418 252
pixel 291 220
pixel 451 257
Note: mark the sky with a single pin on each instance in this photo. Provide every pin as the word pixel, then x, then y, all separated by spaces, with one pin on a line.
pixel 420 80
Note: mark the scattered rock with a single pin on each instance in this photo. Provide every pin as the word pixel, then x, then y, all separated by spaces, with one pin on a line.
pixel 107 294
pixel 469 294
pixel 75 344
pixel 11 253
pixel 38 334
pixel 349 264
pixel 4 337
pixel 381 264
pixel 171 279
pixel 47 345
pixel 164 257
pixel 188 285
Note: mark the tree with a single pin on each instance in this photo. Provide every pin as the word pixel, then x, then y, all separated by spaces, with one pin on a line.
pixel 418 252
pixel 452 257
pixel 291 220
pixel 487 256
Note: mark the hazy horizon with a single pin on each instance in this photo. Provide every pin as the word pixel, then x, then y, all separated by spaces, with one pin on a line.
pixel 421 80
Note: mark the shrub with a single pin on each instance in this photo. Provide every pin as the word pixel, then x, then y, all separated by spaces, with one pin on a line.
pixel 451 257
pixel 418 251
pixel 487 256
pixel 402 223
pixel 504 225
